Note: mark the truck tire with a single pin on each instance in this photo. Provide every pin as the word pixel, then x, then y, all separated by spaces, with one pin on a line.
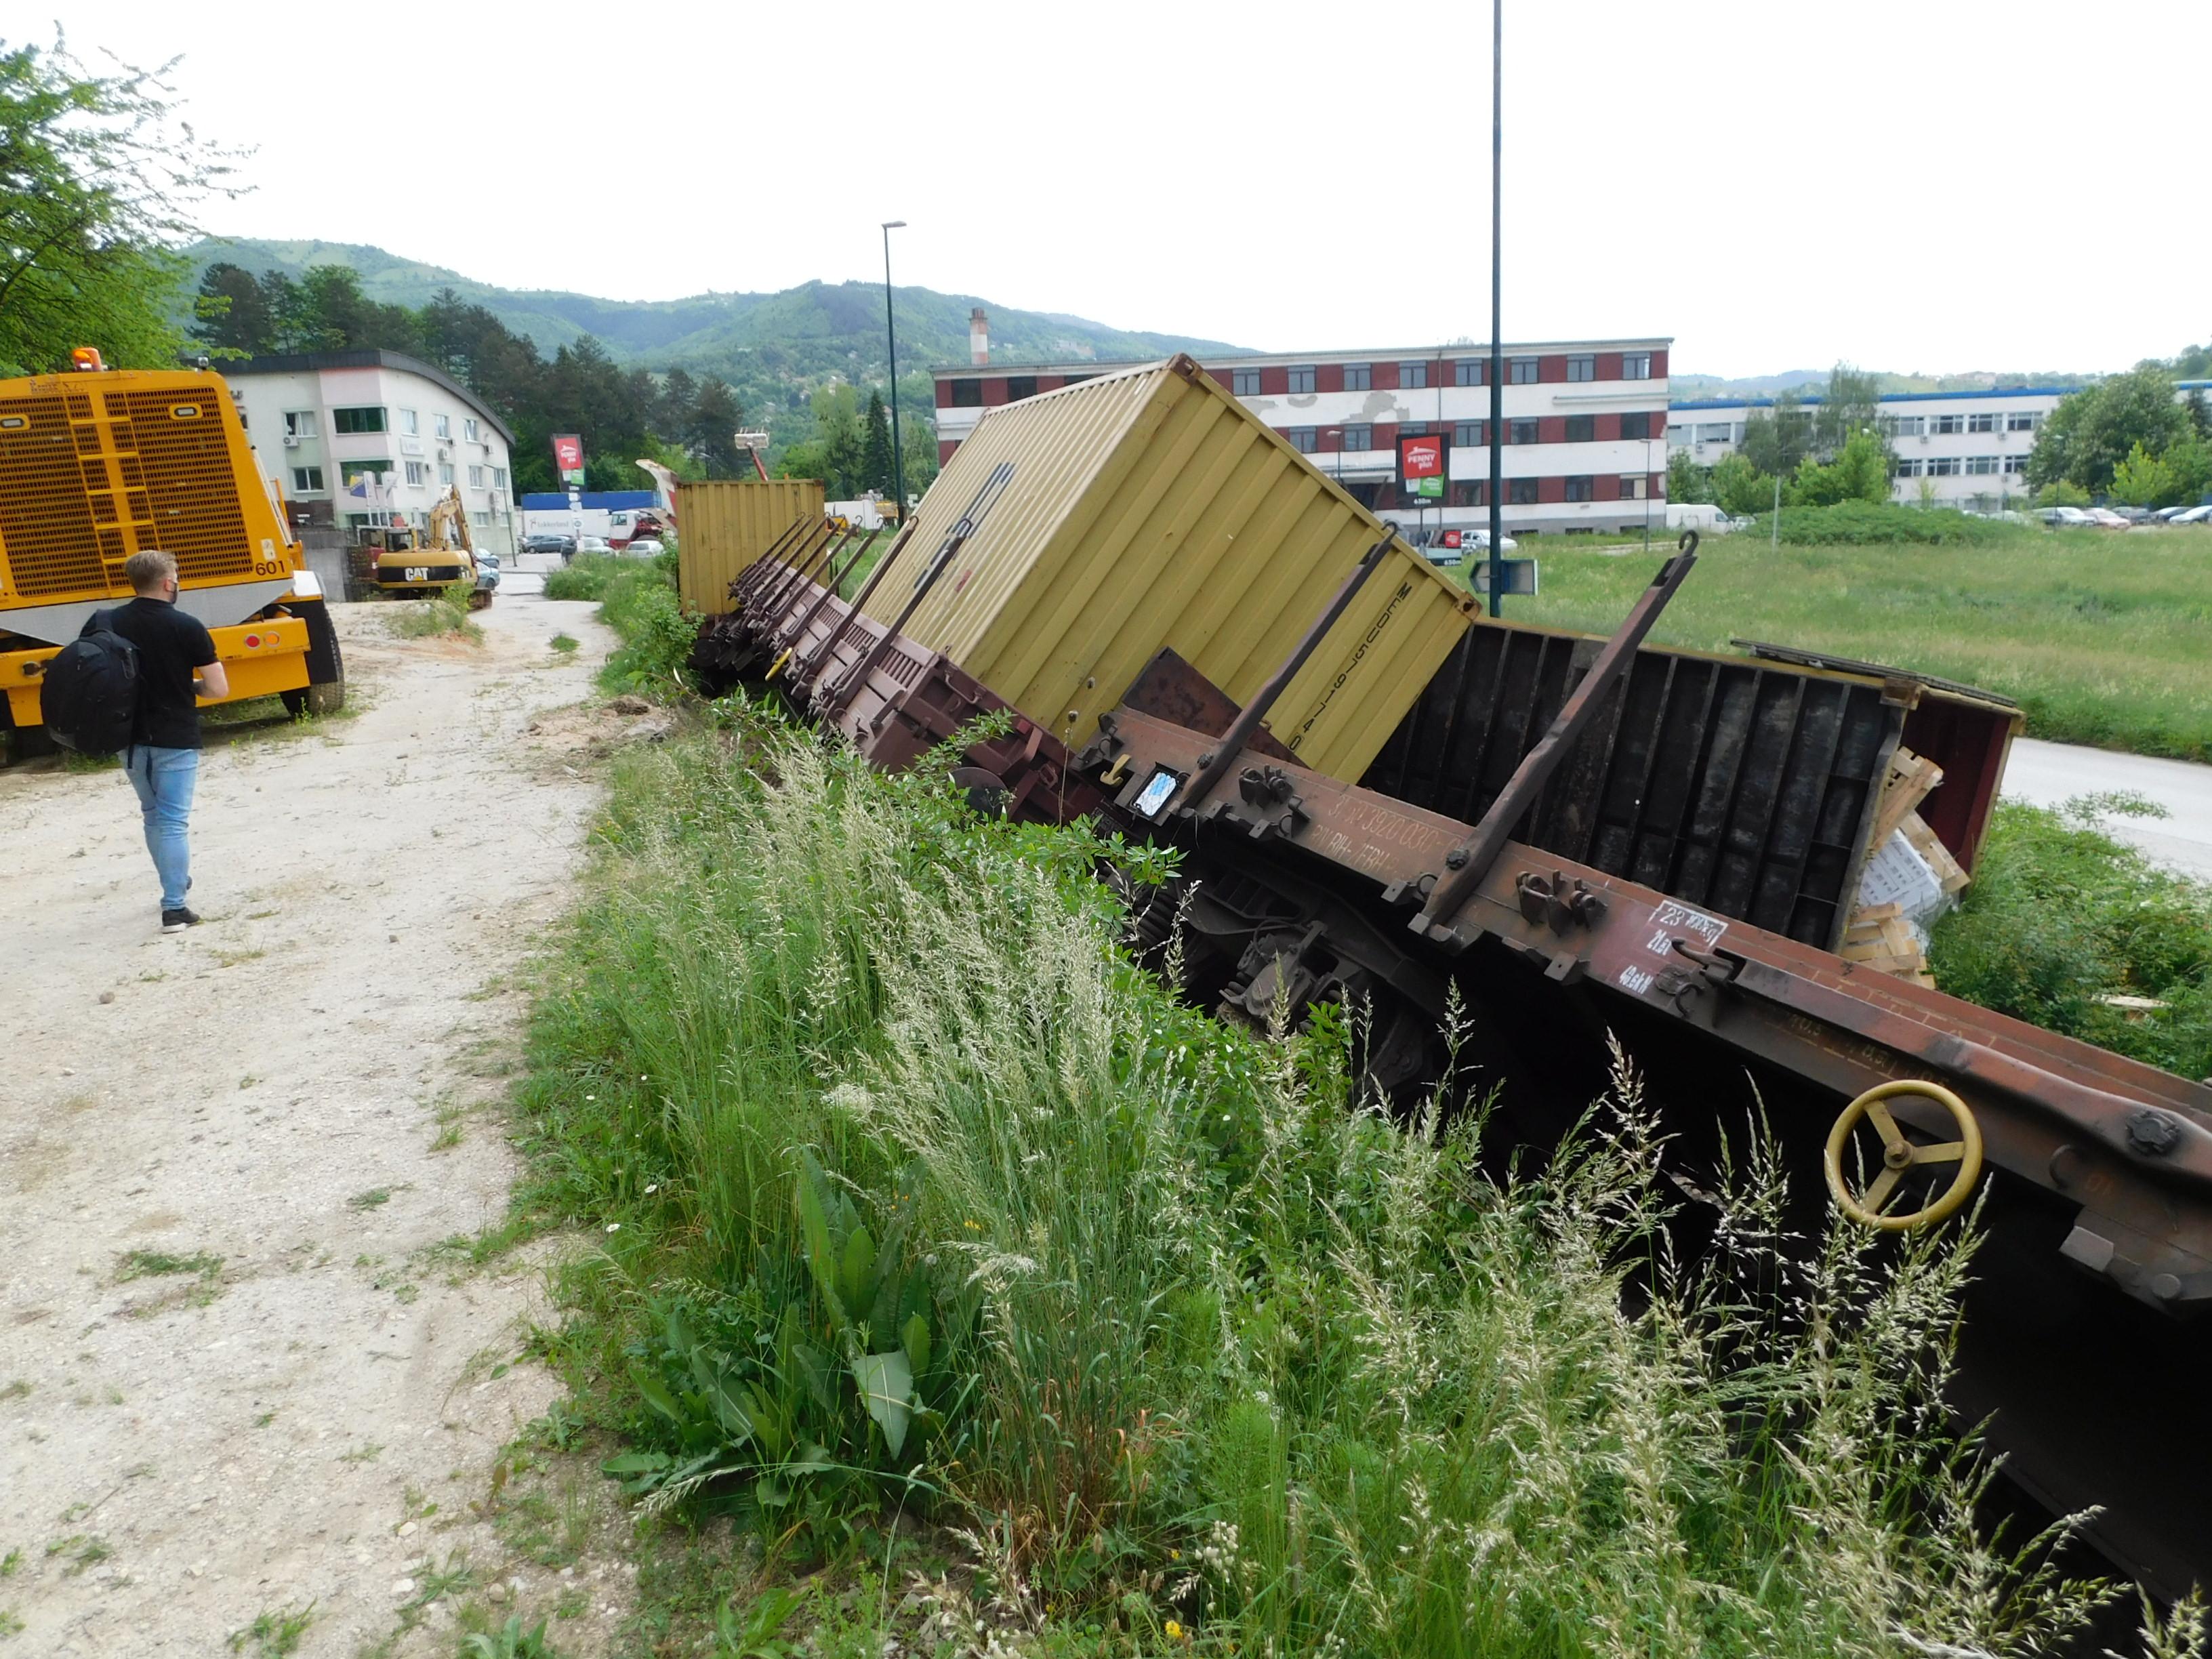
pixel 324 692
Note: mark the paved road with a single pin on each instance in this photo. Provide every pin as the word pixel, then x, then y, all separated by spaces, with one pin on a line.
pixel 2047 773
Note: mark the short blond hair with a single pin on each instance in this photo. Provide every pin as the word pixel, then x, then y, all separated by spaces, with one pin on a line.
pixel 148 568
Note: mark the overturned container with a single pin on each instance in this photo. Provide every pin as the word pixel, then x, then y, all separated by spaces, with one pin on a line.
pixel 725 523
pixel 1078 533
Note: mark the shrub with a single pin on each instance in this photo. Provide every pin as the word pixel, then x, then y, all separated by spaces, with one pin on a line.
pixel 2061 918
pixel 1861 523
pixel 586 576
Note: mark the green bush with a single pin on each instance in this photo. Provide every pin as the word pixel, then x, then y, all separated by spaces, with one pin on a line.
pixel 917 1198
pixel 586 576
pixel 1874 524
pixel 2061 917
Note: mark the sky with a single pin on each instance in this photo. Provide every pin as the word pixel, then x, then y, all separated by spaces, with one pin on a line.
pixel 1916 186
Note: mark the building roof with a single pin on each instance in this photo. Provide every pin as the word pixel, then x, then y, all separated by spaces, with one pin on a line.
pixel 1274 359
pixel 1813 398
pixel 300 362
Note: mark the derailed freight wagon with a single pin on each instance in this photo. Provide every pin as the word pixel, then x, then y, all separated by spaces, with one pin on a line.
pixel 1385 797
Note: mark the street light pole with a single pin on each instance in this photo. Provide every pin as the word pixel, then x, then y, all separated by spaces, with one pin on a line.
pixel 1497 346
pixel 890 334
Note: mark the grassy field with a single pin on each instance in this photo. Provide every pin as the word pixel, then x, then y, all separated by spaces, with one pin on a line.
pixel 2105 638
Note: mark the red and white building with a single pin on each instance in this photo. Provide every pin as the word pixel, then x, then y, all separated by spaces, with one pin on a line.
pixel 1585 437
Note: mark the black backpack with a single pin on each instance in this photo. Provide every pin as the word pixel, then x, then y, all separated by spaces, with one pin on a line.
pixel 88 695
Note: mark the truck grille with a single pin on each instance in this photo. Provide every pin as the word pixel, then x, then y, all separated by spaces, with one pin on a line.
pixel 46 525
pixel 190 490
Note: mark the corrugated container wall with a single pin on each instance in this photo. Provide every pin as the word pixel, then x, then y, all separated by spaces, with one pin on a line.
pixel 724 525
pixel 1149 508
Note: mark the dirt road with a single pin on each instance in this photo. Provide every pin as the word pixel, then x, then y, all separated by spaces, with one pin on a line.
pixel 237 1374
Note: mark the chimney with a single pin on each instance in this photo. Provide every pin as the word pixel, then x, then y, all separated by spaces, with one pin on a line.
pixel 979 338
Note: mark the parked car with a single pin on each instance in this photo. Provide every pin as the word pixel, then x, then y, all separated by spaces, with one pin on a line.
pixel 643 547
pixel 593 544
pixel 563 546
pixel 2066 518
pixel 2106 517
pixel 2193 515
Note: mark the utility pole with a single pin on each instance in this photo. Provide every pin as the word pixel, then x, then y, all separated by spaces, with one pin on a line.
pixel 1496 340
pixel 890 334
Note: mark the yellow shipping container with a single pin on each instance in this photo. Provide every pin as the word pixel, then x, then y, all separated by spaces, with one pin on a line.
pixel 724 525
pixel 1149 508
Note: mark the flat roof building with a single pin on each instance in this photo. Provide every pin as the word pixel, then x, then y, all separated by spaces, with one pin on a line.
pixel 355 436
pixel 1584 443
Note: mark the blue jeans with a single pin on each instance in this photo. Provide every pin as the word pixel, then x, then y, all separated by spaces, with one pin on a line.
pixel 164 780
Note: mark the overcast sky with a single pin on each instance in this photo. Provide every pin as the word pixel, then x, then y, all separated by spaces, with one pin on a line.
pixel 1931 186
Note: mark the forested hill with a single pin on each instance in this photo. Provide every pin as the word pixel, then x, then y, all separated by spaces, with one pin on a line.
pixel 797 335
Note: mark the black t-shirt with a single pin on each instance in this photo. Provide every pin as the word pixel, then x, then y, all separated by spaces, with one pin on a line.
pixel 171 644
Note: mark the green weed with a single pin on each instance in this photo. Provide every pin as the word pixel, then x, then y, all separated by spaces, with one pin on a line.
pixel 916 1200
pixel 375 1197
pixel 11 1623
pixel 274 1634
pixel 564 644
pixel 510 1641
pixel 150 1264
pixel 447 614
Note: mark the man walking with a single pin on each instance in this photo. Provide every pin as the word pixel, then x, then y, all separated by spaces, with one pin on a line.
pixel 176 661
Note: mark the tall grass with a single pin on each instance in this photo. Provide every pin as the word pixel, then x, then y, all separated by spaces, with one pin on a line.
pixel 2100 635
pixel 638 599
pixel 914 1198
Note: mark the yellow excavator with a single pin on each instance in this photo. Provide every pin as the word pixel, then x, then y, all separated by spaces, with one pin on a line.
pixel 412 566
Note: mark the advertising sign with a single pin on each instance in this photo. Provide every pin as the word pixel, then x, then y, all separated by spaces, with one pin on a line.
pixel 1421 467
pixel 1454 537
pixel 568 459
pixel 1520 576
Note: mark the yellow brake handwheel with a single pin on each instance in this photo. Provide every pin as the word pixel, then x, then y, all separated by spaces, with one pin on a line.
pixel 1899 1155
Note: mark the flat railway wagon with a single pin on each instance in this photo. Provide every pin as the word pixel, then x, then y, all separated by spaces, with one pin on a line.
pixel 1383 797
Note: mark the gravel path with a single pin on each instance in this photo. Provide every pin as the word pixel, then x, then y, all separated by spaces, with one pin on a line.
pixel 238 1372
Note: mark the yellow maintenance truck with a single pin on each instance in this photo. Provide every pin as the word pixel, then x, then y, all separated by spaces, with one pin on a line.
pixel 98 464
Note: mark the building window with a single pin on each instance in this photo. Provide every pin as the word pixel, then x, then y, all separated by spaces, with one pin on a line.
pixel 444 473
pixel 1985 422
pixel 499 477
pixel 1467 371
pixel 358 420
pixel 1520 492
pixel 1904 426
pixel 1909 469
pixel 1678 434
pixel 1636 424
pixel 1943 466
pixel 967 394
pixel 1714 432
pixel 417 474
pixel 1521 371
pixel 484 519
pixel 1467 434
pixel 1581 369
pixel 1302 378
pixel 1359 437
pixel 441 426
pixel 307 480
pixel 2022 420
pixel 1582 428
pixel 2015 463
pixel 1303 439
pixel 1520 432
pixel 476 478
pixel 1412 377
pixel 1019 386
pixel 1635 365
pixel 364 471
pixel 469 431
pixel 1468 492
pixel 411 423
pixel 300 423
pixel 1980 464
pixel 1581 489
pixel 1633 489
pixel 1946 424
pixel 1245 382
pixel 1358 377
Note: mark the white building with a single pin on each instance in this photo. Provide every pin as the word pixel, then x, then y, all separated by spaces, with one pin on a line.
pixel 1966 449
pixel 355 436
pixel 1584 423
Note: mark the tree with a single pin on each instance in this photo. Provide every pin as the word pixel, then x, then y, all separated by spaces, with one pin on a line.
pixel 97 185
pixel 1852 404
pixel 1686 480
pixel 876 447
pixel 2093 431
pixel 711 431
pixel 1775 440
pixel 2141 480
pixel 1860 472
pixel 1739 487
pixel 232 311
pixel 2199 416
